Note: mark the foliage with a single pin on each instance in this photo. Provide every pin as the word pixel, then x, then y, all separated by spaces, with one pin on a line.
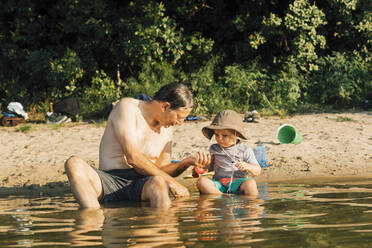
pixel 342 79
pixel 208 93
pixel 156 38
pixel 304 19
pixel 285 91
pixel 275 55
pixel 63 75
pixel 246 84
pixel 151 78
pixel 25 128
pixel 56 126
pixel 345 118
pixel 97 98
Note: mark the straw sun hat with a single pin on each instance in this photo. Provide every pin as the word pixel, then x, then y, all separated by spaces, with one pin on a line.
pixel 226 119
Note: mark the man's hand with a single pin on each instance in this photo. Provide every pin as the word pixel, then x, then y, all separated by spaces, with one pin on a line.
pixel 179 190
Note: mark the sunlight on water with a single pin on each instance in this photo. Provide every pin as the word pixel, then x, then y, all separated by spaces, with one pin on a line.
pixel 334 215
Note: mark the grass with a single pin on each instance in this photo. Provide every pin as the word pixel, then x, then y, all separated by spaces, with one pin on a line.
pixel 344 118
pixel 99 122
pixel 305 108
pixel 24 128
pixel 56 126
pixel 267 112
pixel 36 117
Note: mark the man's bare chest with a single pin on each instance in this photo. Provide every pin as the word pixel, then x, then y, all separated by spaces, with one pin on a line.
pixel 152 143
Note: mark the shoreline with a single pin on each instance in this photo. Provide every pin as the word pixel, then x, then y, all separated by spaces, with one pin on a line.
pixel 61 188
pixel 331 150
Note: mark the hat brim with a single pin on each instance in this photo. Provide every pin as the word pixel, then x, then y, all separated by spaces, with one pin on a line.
pixel 208 131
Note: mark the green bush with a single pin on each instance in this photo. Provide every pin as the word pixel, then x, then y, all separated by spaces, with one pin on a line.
pixel 150 79
pixel 276 55
pixel 96 100
pixel 342 80
pixel 208 92
pixel 302 21
pixel 246 85
pixel 63 75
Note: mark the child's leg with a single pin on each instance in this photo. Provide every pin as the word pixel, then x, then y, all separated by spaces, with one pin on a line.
pixel 249 187
pixel 207 186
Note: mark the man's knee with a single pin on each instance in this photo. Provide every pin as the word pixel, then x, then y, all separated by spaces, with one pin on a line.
pixel 158 183
pixel 156 191
pixel 75 166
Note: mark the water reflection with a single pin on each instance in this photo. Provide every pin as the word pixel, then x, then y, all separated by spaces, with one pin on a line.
pixel 231 219
pixel 87 230
pixel 146 228
pixel 22 219
pixel 129 226
pixel 284 215
pixel 227 219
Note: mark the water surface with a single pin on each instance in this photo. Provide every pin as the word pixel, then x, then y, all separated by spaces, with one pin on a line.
pixel 284 215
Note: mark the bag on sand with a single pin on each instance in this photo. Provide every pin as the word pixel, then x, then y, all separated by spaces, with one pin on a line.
pixel 7 121
pixel 260 154
pixel 68 106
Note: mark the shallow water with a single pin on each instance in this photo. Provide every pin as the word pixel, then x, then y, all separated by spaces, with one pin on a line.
pixel 333 215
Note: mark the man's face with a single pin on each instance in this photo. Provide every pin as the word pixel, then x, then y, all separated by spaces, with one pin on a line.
pixel 175 116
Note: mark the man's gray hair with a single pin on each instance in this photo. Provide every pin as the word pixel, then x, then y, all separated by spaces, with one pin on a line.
pixel 177 94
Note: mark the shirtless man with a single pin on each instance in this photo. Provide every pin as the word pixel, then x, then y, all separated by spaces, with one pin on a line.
pixel 135 153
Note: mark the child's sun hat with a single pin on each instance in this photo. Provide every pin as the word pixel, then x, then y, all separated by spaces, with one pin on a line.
pixel 226 119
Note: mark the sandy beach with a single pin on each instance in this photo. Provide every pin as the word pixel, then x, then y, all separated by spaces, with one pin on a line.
pixel 334 147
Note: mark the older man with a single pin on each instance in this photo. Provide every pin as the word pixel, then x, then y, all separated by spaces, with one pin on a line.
pixel 135 153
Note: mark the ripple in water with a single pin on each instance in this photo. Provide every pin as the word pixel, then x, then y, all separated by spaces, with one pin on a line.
pixel 334 215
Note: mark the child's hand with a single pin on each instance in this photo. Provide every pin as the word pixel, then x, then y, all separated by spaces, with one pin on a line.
pixel 200 159
pixel 251 169
pixel 196 171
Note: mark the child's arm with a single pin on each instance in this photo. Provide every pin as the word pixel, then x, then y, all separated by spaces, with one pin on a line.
pixel 249 163
pixel 252 169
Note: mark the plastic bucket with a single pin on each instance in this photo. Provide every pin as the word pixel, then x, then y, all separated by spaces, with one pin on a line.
pixel 287 134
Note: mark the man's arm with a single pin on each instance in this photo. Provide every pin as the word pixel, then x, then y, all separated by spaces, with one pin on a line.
pixel 176 169
pixel 164 162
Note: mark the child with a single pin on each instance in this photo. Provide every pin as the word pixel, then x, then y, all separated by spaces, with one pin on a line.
pixel 233 162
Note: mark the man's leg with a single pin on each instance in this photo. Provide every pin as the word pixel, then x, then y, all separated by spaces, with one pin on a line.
pixel 207 186
pixel 249 187
pixel 155 190
pixel 84 181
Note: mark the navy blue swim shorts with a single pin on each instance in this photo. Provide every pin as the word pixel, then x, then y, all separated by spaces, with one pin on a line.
pixel 121 185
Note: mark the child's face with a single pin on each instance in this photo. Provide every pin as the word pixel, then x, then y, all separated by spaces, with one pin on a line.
pixel 225 138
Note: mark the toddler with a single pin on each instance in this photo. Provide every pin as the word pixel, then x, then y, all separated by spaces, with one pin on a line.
pixel 234 163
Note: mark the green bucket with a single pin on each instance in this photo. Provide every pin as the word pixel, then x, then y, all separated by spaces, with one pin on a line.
pixel 287 134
